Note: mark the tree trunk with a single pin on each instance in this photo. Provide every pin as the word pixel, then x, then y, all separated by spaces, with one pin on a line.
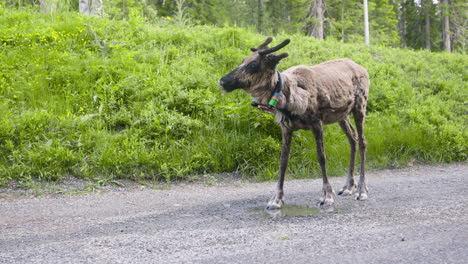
pixel 317 15
pixel 425 5
pixel 89 7
pixel 342 24
pixel 366 23
pixel 446 30
pixel 428 31
pixel 259 15
pixel 48 6
pixel 402 24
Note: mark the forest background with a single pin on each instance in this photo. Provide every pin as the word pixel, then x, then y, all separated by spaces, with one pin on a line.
pixel 431 24
pixel 131 93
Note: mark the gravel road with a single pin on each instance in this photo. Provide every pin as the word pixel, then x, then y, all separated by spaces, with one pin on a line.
pixel 413 215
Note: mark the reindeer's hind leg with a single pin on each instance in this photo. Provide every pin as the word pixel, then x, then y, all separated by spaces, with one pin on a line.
pixel 327 191
pixel 359 117
pixel 348 188
pixel 278 200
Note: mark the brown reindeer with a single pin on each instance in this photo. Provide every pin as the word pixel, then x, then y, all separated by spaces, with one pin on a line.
pixel 307 97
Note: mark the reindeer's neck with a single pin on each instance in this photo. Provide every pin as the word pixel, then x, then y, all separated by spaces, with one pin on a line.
pixel 263 91
pixel 294 99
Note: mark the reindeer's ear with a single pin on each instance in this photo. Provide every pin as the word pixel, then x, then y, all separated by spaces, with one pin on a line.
pixel 274 59
pixel 282 56
pixel 253 49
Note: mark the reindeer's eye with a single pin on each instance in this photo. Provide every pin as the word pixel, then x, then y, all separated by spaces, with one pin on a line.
pixel 252 67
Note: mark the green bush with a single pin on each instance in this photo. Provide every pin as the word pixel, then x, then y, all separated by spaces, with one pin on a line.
pixel 93 97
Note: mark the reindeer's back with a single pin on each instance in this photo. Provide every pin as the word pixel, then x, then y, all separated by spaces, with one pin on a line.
pixel 333 86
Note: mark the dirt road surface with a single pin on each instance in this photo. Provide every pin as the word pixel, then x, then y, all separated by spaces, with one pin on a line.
pixel 413 215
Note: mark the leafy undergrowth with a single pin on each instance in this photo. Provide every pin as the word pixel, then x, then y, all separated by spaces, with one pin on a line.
pixel 92 97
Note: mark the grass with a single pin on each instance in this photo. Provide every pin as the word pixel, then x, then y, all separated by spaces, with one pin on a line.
pixel 104 99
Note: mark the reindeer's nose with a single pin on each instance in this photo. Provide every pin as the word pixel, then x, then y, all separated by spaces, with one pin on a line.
pixel 220 83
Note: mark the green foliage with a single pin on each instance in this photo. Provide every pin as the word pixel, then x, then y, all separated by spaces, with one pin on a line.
pixel 93 97
pixel 416 15
pixel 345 22
pixel 392 23
pixel 267 16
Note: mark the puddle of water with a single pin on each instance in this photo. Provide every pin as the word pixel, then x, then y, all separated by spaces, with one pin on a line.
pixel 287 210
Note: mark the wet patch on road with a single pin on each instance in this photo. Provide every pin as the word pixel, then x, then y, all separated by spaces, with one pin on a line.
pixel 289 210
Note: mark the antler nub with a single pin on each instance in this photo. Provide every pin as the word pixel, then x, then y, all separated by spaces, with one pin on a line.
pixel 262 46
pixel 276 48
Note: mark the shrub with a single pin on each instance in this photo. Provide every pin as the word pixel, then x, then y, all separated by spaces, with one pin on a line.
pixel 94 97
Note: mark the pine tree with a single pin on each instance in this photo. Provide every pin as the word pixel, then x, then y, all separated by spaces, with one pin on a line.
pixel 315 19
pixel 446 26
pixel 458 14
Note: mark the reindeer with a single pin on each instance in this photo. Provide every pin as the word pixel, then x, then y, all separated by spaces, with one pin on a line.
pixel 307 97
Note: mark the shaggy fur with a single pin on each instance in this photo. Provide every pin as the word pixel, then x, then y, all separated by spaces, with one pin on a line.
pixel 312 96
pixel 328 90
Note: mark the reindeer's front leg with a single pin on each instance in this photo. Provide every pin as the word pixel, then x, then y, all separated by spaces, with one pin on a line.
pixel 327 191
pixel 278 200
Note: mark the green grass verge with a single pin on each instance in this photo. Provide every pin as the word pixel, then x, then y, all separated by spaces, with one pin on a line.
pixel 93 97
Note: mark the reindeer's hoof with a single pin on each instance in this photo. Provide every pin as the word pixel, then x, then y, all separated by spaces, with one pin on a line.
pixel 327 198
pixel 325 203
pixel 346 191
pixel 275 204
pixel 361 196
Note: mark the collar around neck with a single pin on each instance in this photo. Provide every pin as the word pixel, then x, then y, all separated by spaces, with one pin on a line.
pixel 271 106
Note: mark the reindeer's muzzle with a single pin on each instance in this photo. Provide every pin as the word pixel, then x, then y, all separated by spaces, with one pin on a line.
pixel 231 82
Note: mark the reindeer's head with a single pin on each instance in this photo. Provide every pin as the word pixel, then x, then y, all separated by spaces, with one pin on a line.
pixel 256 70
